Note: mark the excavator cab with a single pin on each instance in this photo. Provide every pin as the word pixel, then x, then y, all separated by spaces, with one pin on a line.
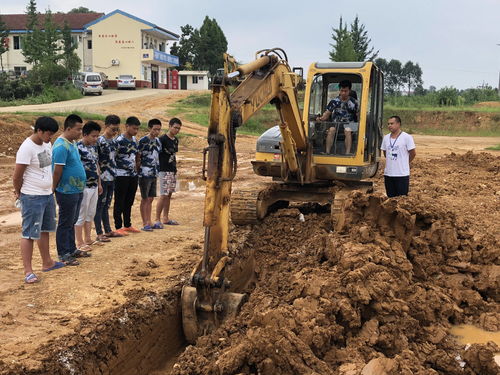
pixel 324 88
pixel 351 159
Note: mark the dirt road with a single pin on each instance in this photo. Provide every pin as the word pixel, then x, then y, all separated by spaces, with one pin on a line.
pixel 118 311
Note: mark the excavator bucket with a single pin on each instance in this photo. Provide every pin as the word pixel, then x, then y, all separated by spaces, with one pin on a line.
pixel 199 320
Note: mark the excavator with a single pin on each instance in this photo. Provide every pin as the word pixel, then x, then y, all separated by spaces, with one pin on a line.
pixel 292 154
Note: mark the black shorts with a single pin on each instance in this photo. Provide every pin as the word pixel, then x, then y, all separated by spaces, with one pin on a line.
pixel 395 186
pixel 148 187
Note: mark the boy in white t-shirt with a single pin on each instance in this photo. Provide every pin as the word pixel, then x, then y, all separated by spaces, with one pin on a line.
pixel 399 151
pixel 32 182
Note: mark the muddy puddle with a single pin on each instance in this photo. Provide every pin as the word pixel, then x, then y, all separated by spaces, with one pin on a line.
pixel 468 334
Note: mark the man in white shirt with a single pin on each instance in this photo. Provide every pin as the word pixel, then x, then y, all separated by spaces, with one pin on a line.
pixel 399 151
pixel 32 182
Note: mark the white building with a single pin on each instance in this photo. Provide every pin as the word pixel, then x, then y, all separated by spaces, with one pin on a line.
pixel 193 80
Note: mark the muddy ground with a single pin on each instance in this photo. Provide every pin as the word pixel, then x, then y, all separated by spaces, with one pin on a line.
pixel 380 294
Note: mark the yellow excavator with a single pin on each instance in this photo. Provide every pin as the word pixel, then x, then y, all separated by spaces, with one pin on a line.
pixel 293 153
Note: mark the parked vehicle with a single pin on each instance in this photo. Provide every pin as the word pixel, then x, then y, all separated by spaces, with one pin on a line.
pixel 125 82
pixel 105 82
pixel 88 83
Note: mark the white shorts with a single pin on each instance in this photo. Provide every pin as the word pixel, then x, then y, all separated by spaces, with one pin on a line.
pixel 88 206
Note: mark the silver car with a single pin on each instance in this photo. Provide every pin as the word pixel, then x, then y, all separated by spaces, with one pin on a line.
pixel 88 83
pixel 125 82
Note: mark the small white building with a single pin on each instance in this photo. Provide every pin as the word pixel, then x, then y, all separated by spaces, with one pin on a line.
pixel 193 79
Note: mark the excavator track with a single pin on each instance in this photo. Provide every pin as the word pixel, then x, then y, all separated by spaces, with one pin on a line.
pixel 245 207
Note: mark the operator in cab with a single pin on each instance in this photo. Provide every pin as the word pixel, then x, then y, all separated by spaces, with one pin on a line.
pixel 343 108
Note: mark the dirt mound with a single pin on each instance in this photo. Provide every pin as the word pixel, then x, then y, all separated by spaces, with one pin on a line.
pixel 375 298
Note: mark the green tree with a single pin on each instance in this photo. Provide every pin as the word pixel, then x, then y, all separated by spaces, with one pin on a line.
pixel 411 75
pixel 4 40
pixel 210 44
pixel 361 42
pixel 70 59
pixel 81 10
pixel 343 47
pixel 50 40
pixel 33 41
pixel 185 49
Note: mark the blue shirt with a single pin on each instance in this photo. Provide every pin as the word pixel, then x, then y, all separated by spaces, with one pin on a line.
pixel 73 176
pixel 106 151
pixel 343 111
pixel 88 155
pixel 126 149
pixel 149 149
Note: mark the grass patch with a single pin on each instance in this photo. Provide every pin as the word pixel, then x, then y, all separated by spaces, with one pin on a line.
pixel 49 95
pixel 196 108
pixel 494 148
pixel 460 121
pixel 392 108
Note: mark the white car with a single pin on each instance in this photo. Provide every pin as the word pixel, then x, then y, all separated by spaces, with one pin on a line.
pixel 88 83
pixel 125 82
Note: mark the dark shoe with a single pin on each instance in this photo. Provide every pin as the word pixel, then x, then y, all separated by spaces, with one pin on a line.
pixel 81 254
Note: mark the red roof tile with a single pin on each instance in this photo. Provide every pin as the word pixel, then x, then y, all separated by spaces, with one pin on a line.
pixel 75 20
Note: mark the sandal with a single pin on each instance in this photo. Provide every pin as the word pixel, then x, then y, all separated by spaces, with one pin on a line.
pixel 158 225
pixel 171 222
pixel 56 266
pixel 31 278
pixel 113 234
pixel 81 254
pixel 84 247
pixel 102 238
pixel 71 262
pixel 94 243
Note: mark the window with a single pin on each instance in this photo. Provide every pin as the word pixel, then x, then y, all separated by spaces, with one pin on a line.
pixel 89 44
pixel 20 70
pixel 74 41
pixel 17 42
pixel 195 79
pixel 200 78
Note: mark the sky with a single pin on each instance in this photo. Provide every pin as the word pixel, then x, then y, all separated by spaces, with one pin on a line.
pixel 455 42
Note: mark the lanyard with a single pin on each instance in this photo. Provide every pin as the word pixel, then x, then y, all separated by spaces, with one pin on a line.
pixel 393 144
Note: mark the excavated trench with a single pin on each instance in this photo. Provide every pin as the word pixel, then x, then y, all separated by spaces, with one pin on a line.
pixel 377 297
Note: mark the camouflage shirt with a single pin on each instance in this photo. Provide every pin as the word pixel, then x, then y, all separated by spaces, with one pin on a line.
pixel 149 149
pixel 343 111
pixel 88 155
pixel 106 150
pixel 126 150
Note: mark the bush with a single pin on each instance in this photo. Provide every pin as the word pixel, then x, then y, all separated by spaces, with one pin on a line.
pixel 49 74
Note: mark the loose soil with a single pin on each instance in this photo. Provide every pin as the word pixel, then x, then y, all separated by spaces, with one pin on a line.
pixel 377 297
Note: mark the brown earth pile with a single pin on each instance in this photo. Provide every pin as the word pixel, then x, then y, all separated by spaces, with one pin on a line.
pixel 376 298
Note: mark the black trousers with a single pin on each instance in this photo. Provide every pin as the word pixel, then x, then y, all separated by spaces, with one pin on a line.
pixel 395 186
pixel 125 189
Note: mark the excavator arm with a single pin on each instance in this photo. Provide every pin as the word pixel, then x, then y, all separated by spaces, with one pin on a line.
pixel 269 79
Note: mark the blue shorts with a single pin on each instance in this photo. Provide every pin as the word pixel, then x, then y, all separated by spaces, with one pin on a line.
pixel 39 215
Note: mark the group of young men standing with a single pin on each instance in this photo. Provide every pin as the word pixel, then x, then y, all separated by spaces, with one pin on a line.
pixel 84 176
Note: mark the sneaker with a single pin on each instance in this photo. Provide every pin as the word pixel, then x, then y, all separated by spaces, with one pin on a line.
pixel 122 232
pixel 131 230
pixel 147 228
